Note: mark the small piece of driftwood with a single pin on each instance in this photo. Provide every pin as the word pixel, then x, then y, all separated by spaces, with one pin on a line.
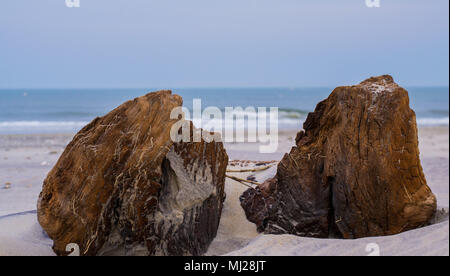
pixel 251 170
pixel 243 181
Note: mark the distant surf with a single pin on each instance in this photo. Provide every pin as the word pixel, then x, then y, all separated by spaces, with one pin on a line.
pixel 285 121
pixel 68 110
pixel 433 121
pixel 40 127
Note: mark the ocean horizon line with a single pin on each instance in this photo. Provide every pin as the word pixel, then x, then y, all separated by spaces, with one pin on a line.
pixel 203 87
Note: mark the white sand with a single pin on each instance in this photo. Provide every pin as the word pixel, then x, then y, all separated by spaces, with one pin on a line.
pixel 25 161
pixel 432 240
pixel 21 235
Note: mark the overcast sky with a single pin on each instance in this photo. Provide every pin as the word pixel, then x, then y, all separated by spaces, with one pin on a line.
pixel 221 43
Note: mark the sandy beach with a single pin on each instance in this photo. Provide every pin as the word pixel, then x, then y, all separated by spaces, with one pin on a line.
pixel 25 161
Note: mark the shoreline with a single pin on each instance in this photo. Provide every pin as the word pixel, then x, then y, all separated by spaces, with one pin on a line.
pixel 50 140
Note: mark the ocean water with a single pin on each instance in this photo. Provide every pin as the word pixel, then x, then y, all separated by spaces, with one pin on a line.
pixel 68 110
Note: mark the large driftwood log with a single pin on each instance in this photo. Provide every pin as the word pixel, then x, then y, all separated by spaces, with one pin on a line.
pixel 354 172
pixel 123 187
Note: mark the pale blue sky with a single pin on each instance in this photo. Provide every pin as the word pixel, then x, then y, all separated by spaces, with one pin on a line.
pixel 221 43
